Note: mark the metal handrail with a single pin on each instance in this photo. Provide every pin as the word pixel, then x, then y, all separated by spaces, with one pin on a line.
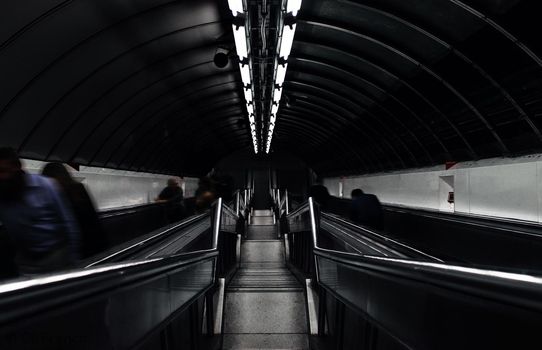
pixel 377 235
pixel 27 305
pixel 19 286
pixel 408 263
pixel 156 237
pixel 511 301
pixel 91 269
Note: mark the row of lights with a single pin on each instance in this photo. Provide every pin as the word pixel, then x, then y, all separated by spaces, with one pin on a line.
pixel 284 46
pixel 242 44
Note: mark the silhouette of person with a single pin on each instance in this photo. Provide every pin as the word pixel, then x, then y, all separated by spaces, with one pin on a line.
pixel 172 193
pixel 172 196
pixel 320 194
pixel 92 232
pixel 366 210
pixel 37 218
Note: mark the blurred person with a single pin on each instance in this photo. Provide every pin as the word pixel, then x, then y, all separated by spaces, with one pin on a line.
pixel 93 238
pixel 37 219
pixel 204 201
pixel 205 194
pixel 223 187
pixel 204 184
pixel 172 193
pixel 366 210
pixel 172 196
pixel 320 194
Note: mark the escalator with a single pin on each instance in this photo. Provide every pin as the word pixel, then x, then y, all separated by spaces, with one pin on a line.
pixel 510 245
pixel 373 301
pixel 265 303
pixel 152 294
pixel 311 282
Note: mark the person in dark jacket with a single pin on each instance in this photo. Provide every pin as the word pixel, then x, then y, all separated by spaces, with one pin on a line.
pixel 92 233
pixel 366 210
pixel 42 233
pixel 320 194
pixel 172 196
pixel 172 193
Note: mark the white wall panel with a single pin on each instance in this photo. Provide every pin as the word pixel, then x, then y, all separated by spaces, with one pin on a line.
pixel 505 191
pixel 510 188
pixel 115 188
pixel 461 191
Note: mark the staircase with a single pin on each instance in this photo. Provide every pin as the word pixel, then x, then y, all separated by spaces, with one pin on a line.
pixel 265 304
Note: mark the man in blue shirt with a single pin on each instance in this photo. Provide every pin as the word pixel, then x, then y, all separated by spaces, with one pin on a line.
pixel 41 226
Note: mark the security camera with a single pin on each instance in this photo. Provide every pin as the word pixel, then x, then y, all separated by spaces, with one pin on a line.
pixel 221 58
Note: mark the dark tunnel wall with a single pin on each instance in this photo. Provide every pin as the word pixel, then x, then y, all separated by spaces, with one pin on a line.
pixel 118 83
pixel 284 170
pixel 372 85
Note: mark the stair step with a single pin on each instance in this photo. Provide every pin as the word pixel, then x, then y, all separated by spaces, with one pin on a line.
pixel 262 212
pixel 263 290
pixel 264 280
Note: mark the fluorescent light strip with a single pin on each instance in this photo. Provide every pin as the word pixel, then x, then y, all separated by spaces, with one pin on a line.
pixel 277 94
pixel 248 95
pixel 239 35
pixel 236 6
pixel 293 6
pixel 287 41
pixel 281 74
pixel 245 74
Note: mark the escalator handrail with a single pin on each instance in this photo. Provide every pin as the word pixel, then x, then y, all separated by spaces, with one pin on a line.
pixel 13 292
pixel 492 284
pixel 466 274
pixel 358 242
pixel 31 302
pixel 130 209
pixel 510 226
pixel 63 276
pixel 521 228
pixel 15 285
pixel 375 234
pixel 87 282
pixel 154 238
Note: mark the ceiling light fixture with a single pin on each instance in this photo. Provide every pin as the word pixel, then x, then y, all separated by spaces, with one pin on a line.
pixel 242 46
pixel 284 45
pixel 287 41
pixel 293 6
pixel 281 74
pixel 236 6
pixel 240 37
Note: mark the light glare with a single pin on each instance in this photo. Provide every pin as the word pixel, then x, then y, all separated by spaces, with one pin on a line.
pixel 287 41
pixel 277 94
pixel 245 74
pixel 248 95
pixel 240 38
pixel 293 6
pixel 281 74
pixel 236 6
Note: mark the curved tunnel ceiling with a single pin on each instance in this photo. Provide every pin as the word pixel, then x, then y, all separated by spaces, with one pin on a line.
pixel 372 85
